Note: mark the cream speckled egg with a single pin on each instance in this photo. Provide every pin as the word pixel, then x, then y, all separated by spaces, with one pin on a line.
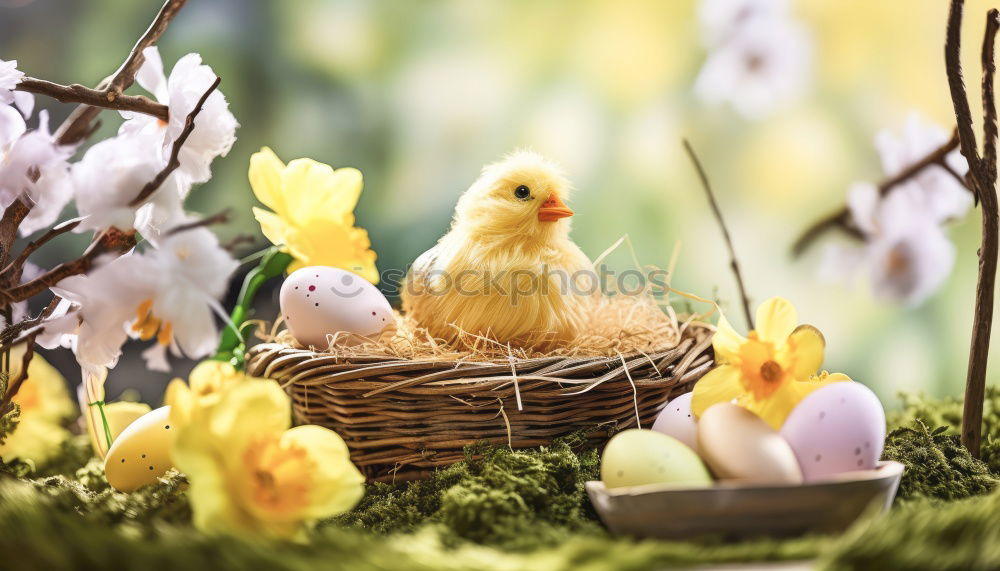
pixel 636 457
pixel 738 445
pixel 317 301
pixel 141 453
pixel 678 420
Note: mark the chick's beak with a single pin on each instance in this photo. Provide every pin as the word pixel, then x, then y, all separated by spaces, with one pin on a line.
pixel 553 209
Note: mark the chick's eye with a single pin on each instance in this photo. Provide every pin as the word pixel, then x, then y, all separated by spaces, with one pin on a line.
pixel 522 192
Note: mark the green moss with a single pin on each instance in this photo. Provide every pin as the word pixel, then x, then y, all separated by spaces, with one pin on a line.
pixel 516 500
pixel 937 465
pixel 947 413
pixel 924 534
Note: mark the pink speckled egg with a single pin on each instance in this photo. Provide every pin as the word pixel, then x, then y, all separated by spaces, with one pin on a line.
pixel 677 420
pixel 318 301
pixel 838 428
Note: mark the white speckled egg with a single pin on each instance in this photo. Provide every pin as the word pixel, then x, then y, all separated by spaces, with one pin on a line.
pixel 838 428
pixel 677 420
pixel 141 453
pixel 636 457
pixel 317 301
pixel 738 445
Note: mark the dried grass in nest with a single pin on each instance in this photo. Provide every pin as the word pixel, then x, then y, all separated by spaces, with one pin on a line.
pixel 617 325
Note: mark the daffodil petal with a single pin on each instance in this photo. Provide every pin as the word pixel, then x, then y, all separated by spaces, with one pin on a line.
pixel 180 400
pixel 726 341
pixel 721 384
pixel 776 407
pixel 776 319
pixel 317 188
pixel 802 354
pixel 265 180
pixel 338 484
pixel 274 227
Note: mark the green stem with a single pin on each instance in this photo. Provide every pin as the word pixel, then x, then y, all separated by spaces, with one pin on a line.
pixel 104 420
pixel 232 346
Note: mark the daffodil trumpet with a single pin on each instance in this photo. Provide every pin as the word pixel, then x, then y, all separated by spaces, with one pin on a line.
pixel 770 370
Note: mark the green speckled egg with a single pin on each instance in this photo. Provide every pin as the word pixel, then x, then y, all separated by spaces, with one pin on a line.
pixel 636 457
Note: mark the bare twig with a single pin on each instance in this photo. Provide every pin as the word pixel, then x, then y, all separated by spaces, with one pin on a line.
pixel 217 218
pixel 15 385
pixel 237 241
pixel 9 223
pixel 983 176
pixel 79 124
pixel 175 161
pixel 110 241
pixel 841 219
pixel 733 263
pixel 76 93
pixel 12 272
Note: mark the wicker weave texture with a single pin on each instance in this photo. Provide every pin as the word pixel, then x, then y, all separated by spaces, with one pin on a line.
pixel 402 417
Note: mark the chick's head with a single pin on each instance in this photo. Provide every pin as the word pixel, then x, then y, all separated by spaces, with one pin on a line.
pixel 521 196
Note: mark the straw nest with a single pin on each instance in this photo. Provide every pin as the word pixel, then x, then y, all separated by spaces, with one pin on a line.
pixel 406 403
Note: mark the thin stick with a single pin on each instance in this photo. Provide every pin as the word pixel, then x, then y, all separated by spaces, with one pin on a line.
pixel 76 93
pixel 109 241
pixel 18 263
pixel 217 218
pixel 733 263
pixel 175 161
pixel 78 125
pixel 12 388
pixel 841 219
pixel 983 177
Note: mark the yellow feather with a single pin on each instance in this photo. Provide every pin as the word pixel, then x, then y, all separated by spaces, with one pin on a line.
pixel 501 271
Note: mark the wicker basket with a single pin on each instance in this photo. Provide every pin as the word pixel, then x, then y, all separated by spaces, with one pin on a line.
pixel 402 418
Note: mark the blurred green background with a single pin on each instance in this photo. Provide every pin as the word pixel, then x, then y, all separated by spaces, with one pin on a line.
pixel 420 94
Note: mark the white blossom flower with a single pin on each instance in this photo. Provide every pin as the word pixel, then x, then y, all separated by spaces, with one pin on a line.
pixel 111 175
pixel 906 254
pixel 9 78
pixel 762 64
pixel 188 272
pixel 93 317
pixel 215 127
pixel 168 294
pixel 943 196
pixel 720 19
pixel 36 166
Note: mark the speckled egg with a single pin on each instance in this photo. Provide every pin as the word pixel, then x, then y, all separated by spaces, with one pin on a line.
pixel 636 457
pixel 318 301
pixel 738 445
pixel 838 428
pixel 677 420
pixel 141 453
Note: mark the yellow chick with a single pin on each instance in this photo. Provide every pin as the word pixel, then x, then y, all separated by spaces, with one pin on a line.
pixel 506 269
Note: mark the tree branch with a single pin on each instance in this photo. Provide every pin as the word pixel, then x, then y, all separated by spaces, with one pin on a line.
pixel 983 176
pixel 13 387
pixel 78 125
pixel 77 93
pixel 733 263
pixel 12 272
pixel 175 161
pixel 110 241
pixel 842 218
pixel 217 218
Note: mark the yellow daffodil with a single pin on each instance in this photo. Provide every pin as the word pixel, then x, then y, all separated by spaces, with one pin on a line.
pixel 45 405
pixel 251 474
pixel 206 383
pixel 312 213
pixel 770 370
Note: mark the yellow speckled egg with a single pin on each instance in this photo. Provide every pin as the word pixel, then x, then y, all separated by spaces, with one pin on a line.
pixel 738 445
pixel 141 453
pixel 636 457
